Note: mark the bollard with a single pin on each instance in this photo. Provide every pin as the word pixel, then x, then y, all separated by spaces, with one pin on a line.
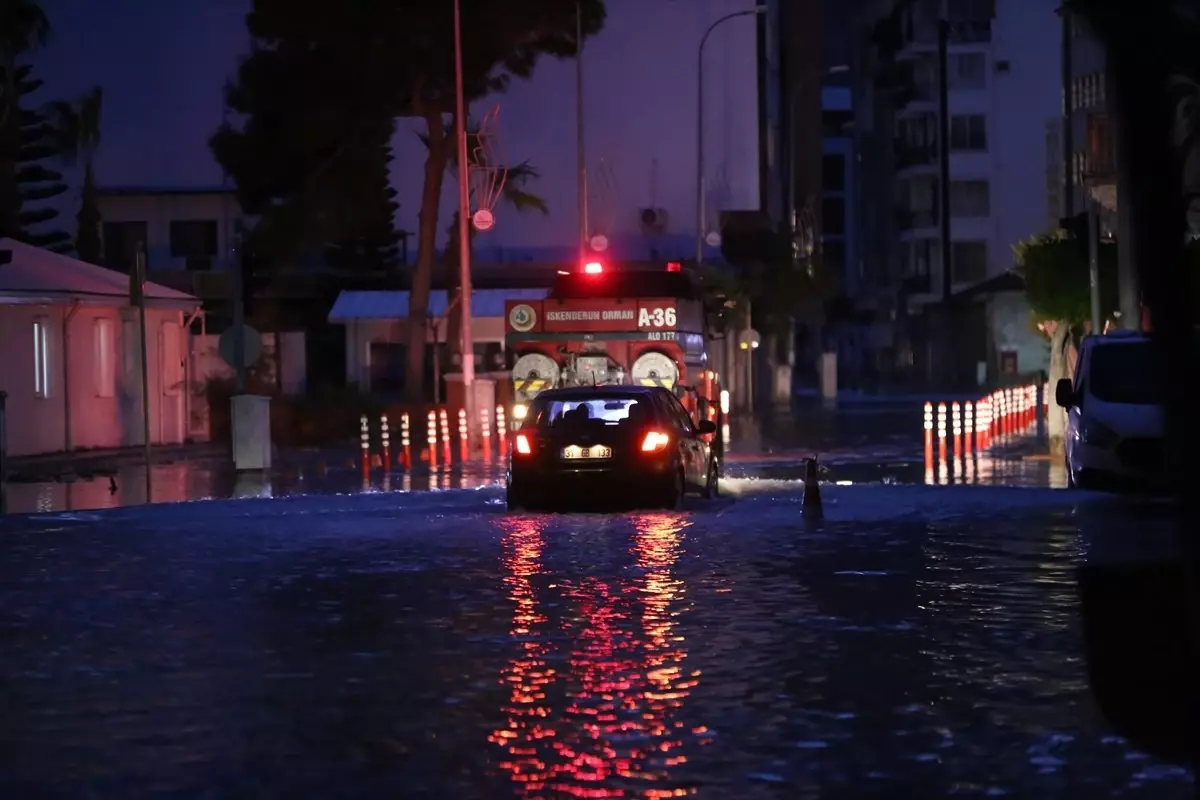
pixel 969 413
pixel 445 421
pixel 956 427
pixel 405 441
pixel 364 432
pixel 385 441
pixel 928 425
pixel 1002 404
pixel 463 438
pixel 811 507
pixel 1031 399
pixel 431 439
pixel 983 426
pixel 501 426
pixel 941 431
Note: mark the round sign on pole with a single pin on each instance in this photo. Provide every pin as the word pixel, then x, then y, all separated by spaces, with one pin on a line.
pixel 713 238
pixel 252 348
pixel 484 220
pixel 599 243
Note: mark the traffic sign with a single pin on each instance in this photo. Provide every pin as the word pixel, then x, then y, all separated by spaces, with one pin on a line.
pixel 252 348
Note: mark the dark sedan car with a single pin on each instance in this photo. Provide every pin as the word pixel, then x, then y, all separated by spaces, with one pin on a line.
pixel 631 443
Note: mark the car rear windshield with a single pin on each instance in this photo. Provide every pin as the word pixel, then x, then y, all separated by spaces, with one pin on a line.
pixel 1127 373
pixel 569 411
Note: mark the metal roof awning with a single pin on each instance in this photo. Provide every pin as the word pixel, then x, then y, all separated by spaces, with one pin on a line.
pixel 383 305
pixel 37 276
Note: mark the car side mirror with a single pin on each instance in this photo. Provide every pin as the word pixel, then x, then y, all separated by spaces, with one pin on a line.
pixel 705 427
pixel 1064 393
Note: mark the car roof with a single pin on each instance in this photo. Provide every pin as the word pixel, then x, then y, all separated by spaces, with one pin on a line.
pixel 599 392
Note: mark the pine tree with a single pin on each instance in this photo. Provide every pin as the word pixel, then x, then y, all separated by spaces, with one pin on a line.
pixel 36 182
pixel 374 245
pixel 76 139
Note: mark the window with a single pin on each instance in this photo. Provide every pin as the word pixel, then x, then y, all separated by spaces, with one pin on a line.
pixel 131 361
pixel 41 357
pixel 121 240
pixel 104 360
pixel 833 256
pixel 969 199
pixel 833 172
pixel 969 261
pixel 171 357
pixel 967 71
pixel 833 216
pixel 968 132
pixel 614 410
pixel 195 241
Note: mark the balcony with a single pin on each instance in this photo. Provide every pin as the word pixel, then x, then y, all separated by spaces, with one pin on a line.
pixel 920 155
pixel 908 219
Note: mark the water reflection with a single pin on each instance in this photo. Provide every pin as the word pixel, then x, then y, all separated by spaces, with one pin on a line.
pixel 614 727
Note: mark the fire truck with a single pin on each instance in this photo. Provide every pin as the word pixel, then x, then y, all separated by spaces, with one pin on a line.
pixel 647 327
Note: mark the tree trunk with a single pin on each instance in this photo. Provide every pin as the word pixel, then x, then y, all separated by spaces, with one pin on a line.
pixel 87 236
pixel 422 277
pixel 1056 420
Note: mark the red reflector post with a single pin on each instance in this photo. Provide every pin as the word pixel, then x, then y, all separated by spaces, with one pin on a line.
pixel 655 441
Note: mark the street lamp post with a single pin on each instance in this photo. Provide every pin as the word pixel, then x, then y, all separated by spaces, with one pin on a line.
pixel 466 345
pixel 700 124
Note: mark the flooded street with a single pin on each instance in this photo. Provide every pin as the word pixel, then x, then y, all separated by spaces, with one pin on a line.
pixel 920 642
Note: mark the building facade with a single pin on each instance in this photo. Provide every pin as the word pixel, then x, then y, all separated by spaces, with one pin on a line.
pixel 1003 57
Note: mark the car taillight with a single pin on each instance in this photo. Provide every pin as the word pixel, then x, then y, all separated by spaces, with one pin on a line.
pixel 655 441
pixel 522 445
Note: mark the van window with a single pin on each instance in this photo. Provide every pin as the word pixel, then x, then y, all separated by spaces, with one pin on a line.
pixel 1125 373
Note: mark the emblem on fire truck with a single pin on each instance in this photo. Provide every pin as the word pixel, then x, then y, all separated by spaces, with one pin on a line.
pixel 522 318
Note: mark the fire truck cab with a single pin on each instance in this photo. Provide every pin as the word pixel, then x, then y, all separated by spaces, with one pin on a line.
pixel 647 327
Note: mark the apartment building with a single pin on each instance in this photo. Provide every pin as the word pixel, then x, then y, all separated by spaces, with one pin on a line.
pixel 1003 92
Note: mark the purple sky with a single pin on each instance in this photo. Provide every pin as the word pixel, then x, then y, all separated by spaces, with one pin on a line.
pixel 162 66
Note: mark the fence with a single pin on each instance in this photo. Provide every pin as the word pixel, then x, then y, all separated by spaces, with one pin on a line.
pixel 959 431
pixel 428 437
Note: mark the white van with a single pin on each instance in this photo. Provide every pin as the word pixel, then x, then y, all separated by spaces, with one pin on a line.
pixel 1115 418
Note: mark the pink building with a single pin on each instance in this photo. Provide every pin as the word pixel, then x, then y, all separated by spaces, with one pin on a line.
pixel 69 345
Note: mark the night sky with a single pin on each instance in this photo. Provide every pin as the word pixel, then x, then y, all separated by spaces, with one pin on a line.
pixel 162 66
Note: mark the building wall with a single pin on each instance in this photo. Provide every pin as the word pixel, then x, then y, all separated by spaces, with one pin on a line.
pixel 641 123
pixel 362 334
pixel 159 209
pixel 98 418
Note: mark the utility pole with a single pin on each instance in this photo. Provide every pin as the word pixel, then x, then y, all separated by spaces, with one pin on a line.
pixel 581 153
pixel 467 344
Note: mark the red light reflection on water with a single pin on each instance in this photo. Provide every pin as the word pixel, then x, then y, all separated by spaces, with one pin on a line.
pixel 626 681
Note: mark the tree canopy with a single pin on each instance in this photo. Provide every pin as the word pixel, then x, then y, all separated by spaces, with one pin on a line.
pixel 1057 280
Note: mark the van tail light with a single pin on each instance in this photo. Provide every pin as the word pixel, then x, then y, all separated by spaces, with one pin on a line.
pixel 522 445
pixel 655 442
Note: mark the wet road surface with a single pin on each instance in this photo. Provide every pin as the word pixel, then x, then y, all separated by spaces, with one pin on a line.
pixel 918 642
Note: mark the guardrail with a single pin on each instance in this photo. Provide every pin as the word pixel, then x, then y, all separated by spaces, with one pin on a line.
pixel 961 430
pixel 427 438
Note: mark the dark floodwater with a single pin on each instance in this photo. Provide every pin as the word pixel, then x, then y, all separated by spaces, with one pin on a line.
pixel 919 643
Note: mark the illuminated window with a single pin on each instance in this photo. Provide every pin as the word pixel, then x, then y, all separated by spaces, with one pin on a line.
pixel 104 361
pixel 41 357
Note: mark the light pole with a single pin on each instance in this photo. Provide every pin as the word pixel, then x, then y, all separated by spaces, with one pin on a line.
pixel 700 124
pixel 466 345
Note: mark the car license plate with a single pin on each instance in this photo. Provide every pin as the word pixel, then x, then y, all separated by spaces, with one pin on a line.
pixel 578 453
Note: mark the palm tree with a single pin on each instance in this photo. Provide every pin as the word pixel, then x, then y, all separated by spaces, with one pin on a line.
pixel 23 27
pixel 77 138
pixel 513 194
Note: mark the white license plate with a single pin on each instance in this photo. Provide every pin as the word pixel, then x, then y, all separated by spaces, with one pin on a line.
pixel 576 453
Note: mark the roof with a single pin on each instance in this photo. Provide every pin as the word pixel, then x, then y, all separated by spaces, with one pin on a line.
pixel 383 305
pixel 40 276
